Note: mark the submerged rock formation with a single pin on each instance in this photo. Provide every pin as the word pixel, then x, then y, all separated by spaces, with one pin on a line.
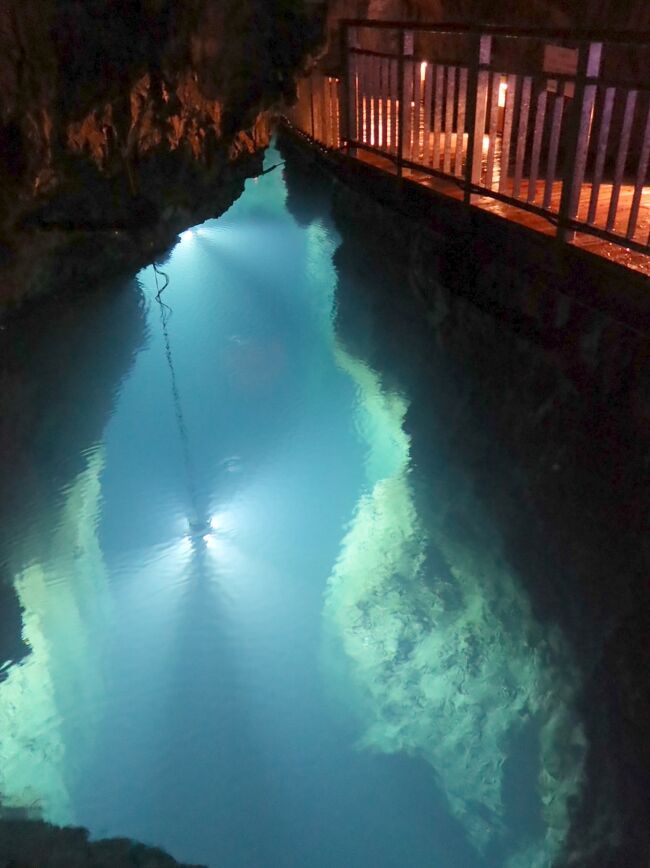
pixel 449 660
pixel 123 123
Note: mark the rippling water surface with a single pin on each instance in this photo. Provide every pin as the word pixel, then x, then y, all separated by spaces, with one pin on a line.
pixel 250 642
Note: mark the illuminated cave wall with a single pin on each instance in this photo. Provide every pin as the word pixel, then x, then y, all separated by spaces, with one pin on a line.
pixel 448 664
pixel 123 123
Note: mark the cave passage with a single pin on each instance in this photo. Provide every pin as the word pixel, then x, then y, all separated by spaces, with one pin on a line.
pixel 250 642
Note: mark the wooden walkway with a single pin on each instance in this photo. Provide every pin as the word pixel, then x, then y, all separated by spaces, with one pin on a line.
pixel 598 246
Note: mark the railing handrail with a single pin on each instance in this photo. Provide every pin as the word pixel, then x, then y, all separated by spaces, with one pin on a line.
pixel 623 37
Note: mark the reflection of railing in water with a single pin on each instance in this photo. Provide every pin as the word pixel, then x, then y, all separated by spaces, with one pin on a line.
pixel 540 121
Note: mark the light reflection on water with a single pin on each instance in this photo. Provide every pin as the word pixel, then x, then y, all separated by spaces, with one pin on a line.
pixel 269 691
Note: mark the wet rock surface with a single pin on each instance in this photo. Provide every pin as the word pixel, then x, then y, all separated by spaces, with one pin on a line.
pixel 123 123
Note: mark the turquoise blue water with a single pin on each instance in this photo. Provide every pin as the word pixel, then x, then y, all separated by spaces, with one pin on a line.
pixel 297 682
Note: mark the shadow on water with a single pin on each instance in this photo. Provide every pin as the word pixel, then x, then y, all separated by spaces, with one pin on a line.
pixel 512 456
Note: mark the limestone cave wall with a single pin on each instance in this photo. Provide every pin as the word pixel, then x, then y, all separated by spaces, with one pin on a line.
pixel 124 121
pixel 536 13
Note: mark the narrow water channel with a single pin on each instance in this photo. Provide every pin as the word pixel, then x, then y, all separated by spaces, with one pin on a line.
pixel 250 642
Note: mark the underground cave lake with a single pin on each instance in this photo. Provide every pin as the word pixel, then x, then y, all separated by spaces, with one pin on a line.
pixel 252 640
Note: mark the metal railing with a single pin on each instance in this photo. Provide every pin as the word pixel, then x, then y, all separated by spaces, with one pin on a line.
pixel 549 122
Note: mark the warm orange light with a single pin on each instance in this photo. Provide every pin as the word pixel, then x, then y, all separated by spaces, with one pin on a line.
pixel 503 88
pixel 423 71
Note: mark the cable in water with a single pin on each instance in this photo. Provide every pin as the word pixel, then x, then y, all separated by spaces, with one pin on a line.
pixel 165 313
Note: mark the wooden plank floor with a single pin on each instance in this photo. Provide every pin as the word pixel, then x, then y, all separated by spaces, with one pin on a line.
pixel 539 223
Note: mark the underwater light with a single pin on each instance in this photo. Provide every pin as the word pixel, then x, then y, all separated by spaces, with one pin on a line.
pixel 203 531
pixel 200 526
pixel 200 530
pixel 188 235
pixel 209 541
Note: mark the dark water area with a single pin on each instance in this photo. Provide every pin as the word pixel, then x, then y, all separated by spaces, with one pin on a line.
pixel 291 594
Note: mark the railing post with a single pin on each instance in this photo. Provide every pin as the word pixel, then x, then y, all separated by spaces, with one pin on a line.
pixel 345 104
pixel 311 105
pixel 352 72
pixel 400 91
pixel 477 92
pixel 405 49
pixel 578 135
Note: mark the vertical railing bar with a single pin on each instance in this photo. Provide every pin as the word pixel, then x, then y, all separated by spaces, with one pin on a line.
pixel 376 87
pixel 621 158
pixel 409 50
pixel 509 109
pixel 478 128
pixel 407 96
pixel 401 113
pixel 416 154
pixel 601 152
pixel 385 89
pixel 333 116
pixel 368 92
pixel 318 105
pixel 476 53
pixel 522 133
pixel 322 112
pixel 437 114
pixel 374 76
pixel 345 83
pixel 367 101
pixel 358 97
pixel 340 110
pixel 554 143
pixel 449 116
pixel 328 109
pixel 640 178
pixel 358 101
pixel 379 106
pixel 578 136
pixel 318 108
pixel 460 120
pixel 330 113
pixel 394 106
pixel 492 129
pixel 428 91
pixel 352 87
pixel 311 104
pixel 538 132
pixel 367 89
